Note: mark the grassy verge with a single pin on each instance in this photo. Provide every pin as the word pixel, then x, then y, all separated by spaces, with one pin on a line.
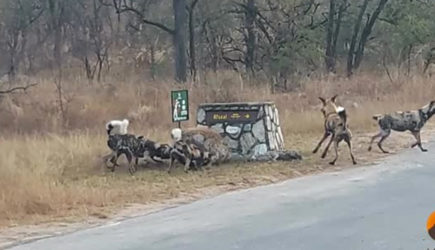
pixel 73 184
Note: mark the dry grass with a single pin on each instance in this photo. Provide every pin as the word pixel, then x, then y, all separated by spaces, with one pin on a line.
pixel 50 170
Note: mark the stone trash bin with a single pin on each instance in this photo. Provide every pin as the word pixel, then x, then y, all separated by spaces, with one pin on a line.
pixel 251 130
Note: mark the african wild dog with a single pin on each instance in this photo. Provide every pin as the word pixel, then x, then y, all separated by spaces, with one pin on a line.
pixel 157 152
pixel 402 121
pixel 190 153
pixel 131 146
pixel 335 125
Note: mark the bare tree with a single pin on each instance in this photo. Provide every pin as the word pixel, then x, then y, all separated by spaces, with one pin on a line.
pixel 332 33
pixel 15 89
pixel 192 50
pixel 57 11
pixel 177 33
pixel 356 54
pixel 180 39
pixel 19 16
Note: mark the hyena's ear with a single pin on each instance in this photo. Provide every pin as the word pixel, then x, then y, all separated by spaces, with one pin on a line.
pixel 323 100
pixel 333 98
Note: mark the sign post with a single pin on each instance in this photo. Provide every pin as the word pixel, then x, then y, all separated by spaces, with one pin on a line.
pixel 180 106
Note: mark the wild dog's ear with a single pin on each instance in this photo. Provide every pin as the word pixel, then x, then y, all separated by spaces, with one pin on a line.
pixel 333 98
pixel 323 100
pixel 432 102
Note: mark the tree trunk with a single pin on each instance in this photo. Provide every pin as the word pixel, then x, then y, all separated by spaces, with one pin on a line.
pixel 250 37
pixel 179 40
pixel 409 59
pixel 192 40
pixel 341 10
pixel 56 14
pixel 367 31
pixel 351 54
pixel 329 54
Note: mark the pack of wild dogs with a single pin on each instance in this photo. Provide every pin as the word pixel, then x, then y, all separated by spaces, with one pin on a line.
pixel 194 148
pixel 336 126
pixel 201 146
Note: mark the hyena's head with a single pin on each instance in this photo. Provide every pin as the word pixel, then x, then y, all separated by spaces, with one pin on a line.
pixel 329 105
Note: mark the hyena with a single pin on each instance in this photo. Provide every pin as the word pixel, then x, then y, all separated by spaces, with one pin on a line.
pixel 412 121
pixel 335 125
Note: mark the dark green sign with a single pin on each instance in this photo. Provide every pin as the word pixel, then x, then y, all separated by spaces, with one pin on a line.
pixel 180 105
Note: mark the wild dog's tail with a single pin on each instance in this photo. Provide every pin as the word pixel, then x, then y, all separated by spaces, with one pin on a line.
pixel 343 115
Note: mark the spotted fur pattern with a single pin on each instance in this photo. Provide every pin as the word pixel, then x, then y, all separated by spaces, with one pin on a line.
pixel 131 146
pixel 190 154
pixel 412 121
pixel 157 152
pixel 335 125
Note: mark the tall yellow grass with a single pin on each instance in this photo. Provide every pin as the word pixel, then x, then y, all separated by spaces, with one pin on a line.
pixel 51 168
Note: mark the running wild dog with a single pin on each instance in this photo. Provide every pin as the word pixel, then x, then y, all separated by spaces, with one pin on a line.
pixel 335 126
pixel 402 121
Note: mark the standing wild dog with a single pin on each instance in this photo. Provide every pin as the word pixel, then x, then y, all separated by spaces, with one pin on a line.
pixel 402 121
pixel 131 146
pixel 335 126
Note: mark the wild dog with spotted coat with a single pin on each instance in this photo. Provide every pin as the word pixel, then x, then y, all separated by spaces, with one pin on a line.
pixel 412 121
pixel 335 125
pixel 131 146
pixel 157 152
pixel 190 153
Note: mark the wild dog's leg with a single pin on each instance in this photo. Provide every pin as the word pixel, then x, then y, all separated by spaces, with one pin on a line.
pixel 325 135
pixel 349 144
pixel 187 164
pixel 373 139
pixel 327 146
pixel 114 161
pixel 108 158
pixel 131 165
pixel 336 142
pixel 384 136
pixel 171 164
pixel 418 138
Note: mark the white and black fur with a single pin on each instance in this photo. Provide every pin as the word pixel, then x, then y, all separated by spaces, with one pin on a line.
pixel 412 121
pixel 117 127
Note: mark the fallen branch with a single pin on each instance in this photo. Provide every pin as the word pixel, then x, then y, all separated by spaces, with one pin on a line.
pixel 23 88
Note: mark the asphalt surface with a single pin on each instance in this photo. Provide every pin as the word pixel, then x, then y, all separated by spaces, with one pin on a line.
pixel 384 206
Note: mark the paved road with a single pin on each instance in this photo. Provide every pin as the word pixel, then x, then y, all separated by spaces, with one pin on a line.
pixel 377 207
